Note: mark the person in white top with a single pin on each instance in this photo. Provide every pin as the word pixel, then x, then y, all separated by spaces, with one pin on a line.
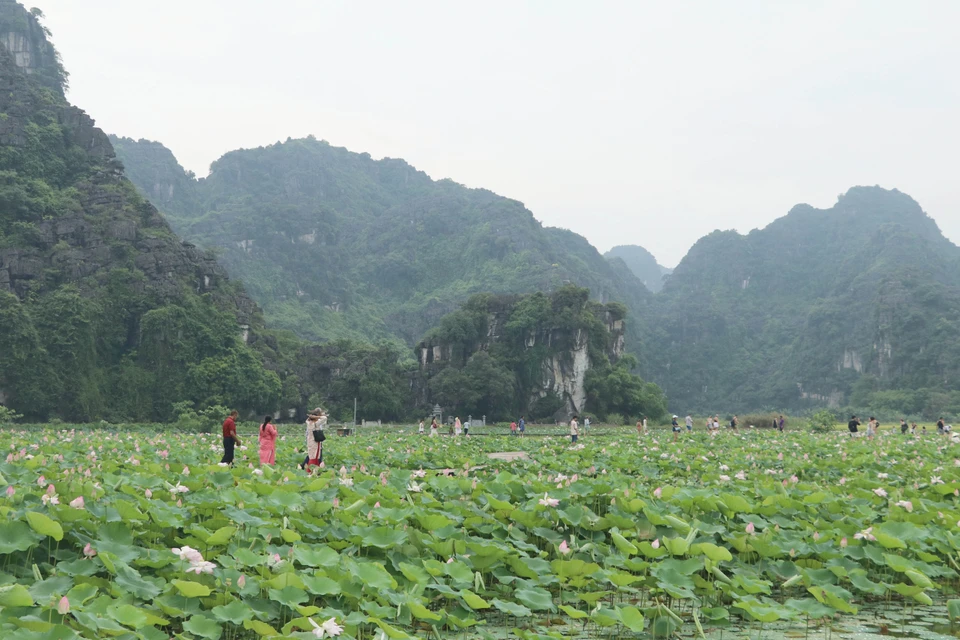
pixel 457 427
pixel 317 420
pixel 420 428
pixel 574 429
pixel 689 421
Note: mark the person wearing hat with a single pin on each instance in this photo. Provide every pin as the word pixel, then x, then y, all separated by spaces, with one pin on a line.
pixel 676 427
pixel 316 421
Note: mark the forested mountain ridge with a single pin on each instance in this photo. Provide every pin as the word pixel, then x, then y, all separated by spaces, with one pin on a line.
pixel 853 305
pixel 642 263
pixel 335 244
pixel 104 312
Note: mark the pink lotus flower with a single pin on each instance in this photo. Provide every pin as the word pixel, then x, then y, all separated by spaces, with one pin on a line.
pixel 89 551
pixel 547 501
pixel 148 494
pixel 866 534
pixel 63 607
pixel 41 481
pixel 843 481
pixel 563 548
pixel 724 478
pixel 186 471
pixel 816 535
pixel 655 544
pixel 880 492
pixel 189 554
pixel 906 504
pixel 202 567
pixel 657 492
pixel 741 475
pixel 241 581
pixel 843 543
pixel 77 503
pixel 10 491
pixel 750 528
pixel 51 490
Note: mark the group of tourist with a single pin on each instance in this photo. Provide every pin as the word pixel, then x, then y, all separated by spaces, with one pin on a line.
pixel 267 435
pixel 873 427
pixel 456 429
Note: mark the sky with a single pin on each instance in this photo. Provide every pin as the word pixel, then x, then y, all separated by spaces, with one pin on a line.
pixel 650 123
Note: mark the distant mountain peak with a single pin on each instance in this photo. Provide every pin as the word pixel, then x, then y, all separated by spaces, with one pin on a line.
pixel 642 264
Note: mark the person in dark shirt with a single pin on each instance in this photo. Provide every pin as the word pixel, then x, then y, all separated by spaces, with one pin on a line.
pixel 940 425
pixel 230 439
pixel 734 421
pixel 903 425
pixel 523 425
pixel 781 423
pixel 853 424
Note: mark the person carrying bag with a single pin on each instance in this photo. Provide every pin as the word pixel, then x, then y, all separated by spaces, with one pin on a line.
pixel 316 422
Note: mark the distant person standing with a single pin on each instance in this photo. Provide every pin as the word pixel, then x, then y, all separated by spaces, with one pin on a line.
pixel 716 423
pixel 434 428
pixel 268 442
pixel 523 426
pixel 940 425
pixel 230 438
pixel 574 429
pixel 689 421
pixel 420 428
pixel 586 425
pixel 903 425
pixel 640 427
pixel 457 427
pixel 780 424
pixel 513 428
pixel 853 425
pixel 466 428
pixel 734 421
pixel 872 427
pixel 675 424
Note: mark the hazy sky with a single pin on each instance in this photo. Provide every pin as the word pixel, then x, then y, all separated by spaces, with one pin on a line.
pixel 632 122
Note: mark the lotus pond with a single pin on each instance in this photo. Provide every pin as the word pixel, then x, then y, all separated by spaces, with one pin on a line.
pixel 142 535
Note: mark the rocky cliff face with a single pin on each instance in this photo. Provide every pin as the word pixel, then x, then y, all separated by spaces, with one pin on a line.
pixel 104 311
pixel 561 355
pixel 110 222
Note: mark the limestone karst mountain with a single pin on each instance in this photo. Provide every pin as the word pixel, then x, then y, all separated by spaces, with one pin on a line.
pixel 642 263
pixel 855 305
pixel 335 244
pixel 104 311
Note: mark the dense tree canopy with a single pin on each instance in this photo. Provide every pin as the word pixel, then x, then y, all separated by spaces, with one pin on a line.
pixel 499 356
